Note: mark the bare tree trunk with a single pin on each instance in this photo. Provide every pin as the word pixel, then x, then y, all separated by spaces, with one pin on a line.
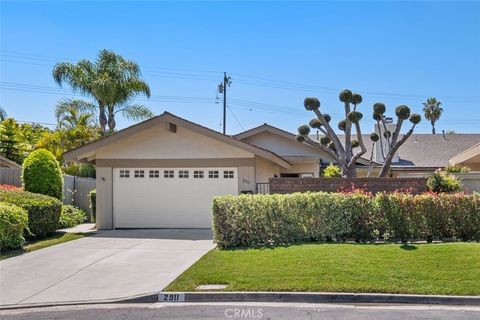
pixel 393 150
pixel 111 120
pixel 102 119
pixel 433 126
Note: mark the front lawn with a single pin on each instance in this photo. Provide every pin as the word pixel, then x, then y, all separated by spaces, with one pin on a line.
pixel 447 268
pixel 57 238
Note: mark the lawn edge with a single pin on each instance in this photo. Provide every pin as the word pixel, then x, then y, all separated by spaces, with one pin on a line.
pixel 285 297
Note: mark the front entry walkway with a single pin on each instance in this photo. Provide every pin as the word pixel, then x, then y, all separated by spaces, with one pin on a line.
pixel 107 265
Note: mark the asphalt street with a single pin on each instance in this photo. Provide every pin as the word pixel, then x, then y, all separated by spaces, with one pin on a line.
pixel 243 311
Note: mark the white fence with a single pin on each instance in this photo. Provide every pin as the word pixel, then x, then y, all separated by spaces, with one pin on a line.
pixel 75 189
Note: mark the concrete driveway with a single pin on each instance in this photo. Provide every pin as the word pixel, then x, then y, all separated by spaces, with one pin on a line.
pixel 107 265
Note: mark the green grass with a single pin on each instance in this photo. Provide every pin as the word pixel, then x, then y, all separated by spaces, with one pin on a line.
pixel 450 268
pixel 55 239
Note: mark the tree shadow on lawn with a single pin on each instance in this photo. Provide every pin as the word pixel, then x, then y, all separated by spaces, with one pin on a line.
pixel 403 246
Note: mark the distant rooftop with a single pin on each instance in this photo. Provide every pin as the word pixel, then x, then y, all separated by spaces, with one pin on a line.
pixel 427 150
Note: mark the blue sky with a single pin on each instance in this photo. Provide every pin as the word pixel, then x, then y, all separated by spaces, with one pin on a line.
pixel 277 53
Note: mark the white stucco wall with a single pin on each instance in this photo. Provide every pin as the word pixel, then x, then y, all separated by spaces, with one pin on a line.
pixel 159 143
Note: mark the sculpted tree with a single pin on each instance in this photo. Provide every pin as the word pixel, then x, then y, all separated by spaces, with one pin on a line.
pixel 344 154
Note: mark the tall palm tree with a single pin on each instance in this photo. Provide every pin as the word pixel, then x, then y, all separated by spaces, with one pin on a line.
pixel 112 81
pixel 433 110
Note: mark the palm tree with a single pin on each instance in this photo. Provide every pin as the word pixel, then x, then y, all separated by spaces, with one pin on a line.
pixel 3 114
pixel 112 81
pixel 72 113
pixel 433 110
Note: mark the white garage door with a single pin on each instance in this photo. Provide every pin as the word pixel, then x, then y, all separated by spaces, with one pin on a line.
pixel 169 197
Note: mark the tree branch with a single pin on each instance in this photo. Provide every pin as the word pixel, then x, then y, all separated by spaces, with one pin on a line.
pixel 362 145
pixel 332 135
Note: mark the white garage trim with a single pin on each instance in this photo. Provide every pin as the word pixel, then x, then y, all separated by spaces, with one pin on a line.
pixel 169 197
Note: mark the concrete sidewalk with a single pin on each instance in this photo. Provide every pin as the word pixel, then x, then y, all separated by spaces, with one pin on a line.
pixel 107 265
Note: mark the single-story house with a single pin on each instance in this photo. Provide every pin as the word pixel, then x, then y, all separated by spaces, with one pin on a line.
pixel 163 172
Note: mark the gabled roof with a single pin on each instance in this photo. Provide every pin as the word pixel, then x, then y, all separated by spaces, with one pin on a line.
pixel 5 162
pixel 471 154
pixel 277 131
pixel 78 154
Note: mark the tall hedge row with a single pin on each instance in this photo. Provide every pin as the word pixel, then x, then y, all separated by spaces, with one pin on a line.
pixel 43 211
pixel 13 221
pixel 262 220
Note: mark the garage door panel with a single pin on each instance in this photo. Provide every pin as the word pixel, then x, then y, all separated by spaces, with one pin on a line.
pixel 168 202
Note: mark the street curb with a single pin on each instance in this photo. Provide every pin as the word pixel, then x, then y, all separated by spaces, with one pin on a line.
pixel 294 297
pixel 325 297
pixel 141 298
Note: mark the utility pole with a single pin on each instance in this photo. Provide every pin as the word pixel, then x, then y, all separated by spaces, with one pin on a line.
pixel 222 88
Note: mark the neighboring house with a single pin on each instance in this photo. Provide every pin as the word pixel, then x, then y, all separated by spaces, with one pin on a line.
pixel 163 172
pixel 7 163
pixel 469 158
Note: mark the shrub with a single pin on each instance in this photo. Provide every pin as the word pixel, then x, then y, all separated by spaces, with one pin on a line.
pixel 93 203
pixel 43 211
pixel 332 171
pixel 456 169
pixel 42 174
pixel 264 220
pixel 441 181
pixel 70 217
pixel 13 221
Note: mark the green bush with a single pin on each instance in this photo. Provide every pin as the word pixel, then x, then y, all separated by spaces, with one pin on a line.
pixel 93 203
pixel 42 174
pixel 70 217
pixel 332 171
pixel 264 220
pixel 13 222
pixel 456 169
pixel 43 211
pixel 441 181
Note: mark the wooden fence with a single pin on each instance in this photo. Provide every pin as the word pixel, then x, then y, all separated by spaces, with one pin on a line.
pixel 11 176
pixel 75 189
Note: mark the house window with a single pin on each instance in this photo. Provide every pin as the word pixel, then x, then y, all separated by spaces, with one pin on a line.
pixel 213 174
pixel 183 173
pixel 168 174
pixel 154 174
pixel 228 174
pixel 139 174
pixel 124 173
pixel 198 174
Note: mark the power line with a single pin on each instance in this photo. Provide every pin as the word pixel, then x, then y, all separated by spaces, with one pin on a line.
pixel 247 79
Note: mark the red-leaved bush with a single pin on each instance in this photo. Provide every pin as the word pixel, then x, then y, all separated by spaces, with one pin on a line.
pixel 9 187
pixel 259 220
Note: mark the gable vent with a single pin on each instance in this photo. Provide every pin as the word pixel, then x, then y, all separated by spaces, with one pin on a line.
pixel 172 127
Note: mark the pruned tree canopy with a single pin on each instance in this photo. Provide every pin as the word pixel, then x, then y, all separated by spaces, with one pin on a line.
pixel 344 153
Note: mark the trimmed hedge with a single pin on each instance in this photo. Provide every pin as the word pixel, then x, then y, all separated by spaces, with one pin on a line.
pixel 70 217
pixel 42 174
pixel 93 204
pixel 263 220
pixel 43 211
pixel 13 221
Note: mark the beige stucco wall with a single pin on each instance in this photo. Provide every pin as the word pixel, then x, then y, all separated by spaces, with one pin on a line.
pixel 159 143
pixel 265 169
pixel 104 214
